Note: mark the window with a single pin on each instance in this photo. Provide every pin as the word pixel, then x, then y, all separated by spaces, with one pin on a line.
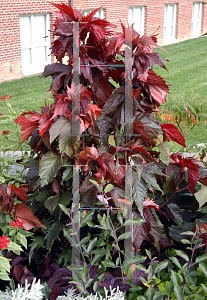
pixel 136 17
pixel 34 47
pixel 169 24
pixel 99 14
pixel 196 19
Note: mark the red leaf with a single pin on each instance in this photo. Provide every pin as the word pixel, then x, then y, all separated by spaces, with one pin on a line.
pixel 158 88
pixel 55 186
pixel 25 214
pixel 139 128
pixel 192 168
pixel 28 126
pixel 61 108
pixel 147 203
pixel 173 133
pixel 21 193
pixel 72 14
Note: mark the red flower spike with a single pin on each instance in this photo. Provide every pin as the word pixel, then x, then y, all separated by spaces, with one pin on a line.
pixel 4 241
pixel 6 132
pixel 1 114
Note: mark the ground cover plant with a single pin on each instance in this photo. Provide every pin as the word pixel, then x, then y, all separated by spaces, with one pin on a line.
pixel 123 164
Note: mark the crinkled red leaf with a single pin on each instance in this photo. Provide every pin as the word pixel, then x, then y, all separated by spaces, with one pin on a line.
pixel 173 133
pixel 158 88
pixel 61 108
pixel 25 214
pixel 28 126
pixel 72 14
pixel 147 203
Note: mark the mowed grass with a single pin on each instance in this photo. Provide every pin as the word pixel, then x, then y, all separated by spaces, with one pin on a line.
pixel 187 75
pixel 28 93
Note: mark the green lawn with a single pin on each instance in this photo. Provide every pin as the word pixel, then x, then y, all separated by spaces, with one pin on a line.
pixel 28 93
pixel 186 73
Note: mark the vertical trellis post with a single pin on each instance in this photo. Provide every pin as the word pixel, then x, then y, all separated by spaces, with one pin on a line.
pixel 74 136
pixel 76 132
pixel 128 131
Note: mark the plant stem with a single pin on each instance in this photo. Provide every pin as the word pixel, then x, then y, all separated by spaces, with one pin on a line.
pixel 114 231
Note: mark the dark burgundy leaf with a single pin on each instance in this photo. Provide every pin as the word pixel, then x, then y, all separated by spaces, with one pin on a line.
pixel 55 69
pixel 93 272
pixel 136 274
pixel 141 232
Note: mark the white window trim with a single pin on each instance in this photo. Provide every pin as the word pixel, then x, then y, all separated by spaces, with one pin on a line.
pixel 167 39
pixel 140 24
pixel 193 34
pixel 99 14
pixel 32 69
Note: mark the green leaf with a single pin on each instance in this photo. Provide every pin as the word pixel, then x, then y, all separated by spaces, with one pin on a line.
pixel 15 248
pixel 176 262
pixel 161 266
pixel 96 259
pixel 67 174
pixel 136 221
pixel 94 182
pixel 108 188
pixel 182 254
pixel 169 288
pixel 158 295
pixel 148 254
pixel 90 224
pixel 178 292
pixel 141 298
pixel 4 263
pixel 52 234
pixel 49 166
pixel 116 247
pixel 4 276
pixel 84 240
pixel 201 258
pixel 87 218
pixel 124 236
pixel 92 244
pixel 101 251
pixel 22 239
pixel 176 279
pixel 163 155
pixel 84 273
pixel 108 263
pixel 120 217
pixel 184 241
pixel 66 211
pixel 203 268
pixel 201 195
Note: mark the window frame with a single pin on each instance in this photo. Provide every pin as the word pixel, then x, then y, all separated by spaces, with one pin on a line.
pixel 198 21
pixel 33 68
pixel 131 17
pixel 167 25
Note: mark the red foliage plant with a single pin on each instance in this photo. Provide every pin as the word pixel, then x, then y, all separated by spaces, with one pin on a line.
pixel 105 143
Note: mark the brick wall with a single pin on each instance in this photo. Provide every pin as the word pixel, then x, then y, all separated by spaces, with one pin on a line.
pixel 10 48
pixel 10 10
